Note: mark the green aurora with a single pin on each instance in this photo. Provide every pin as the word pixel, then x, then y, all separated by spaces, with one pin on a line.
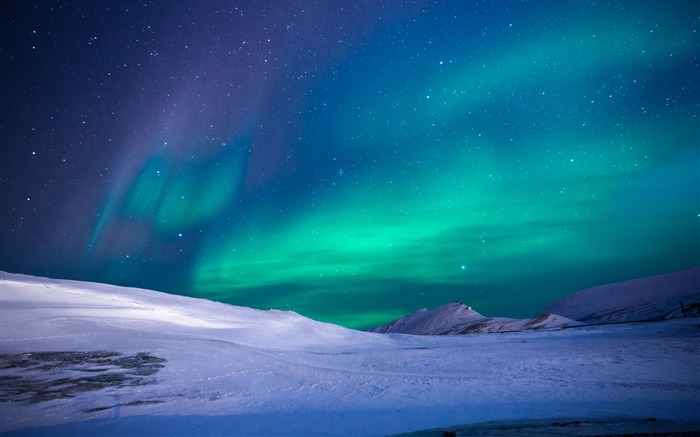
pixel 503 180
pixel 357 166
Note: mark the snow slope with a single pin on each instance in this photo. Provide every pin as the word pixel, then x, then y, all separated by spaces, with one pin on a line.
pixel 92 359
pixel 651 298
pixel 457 318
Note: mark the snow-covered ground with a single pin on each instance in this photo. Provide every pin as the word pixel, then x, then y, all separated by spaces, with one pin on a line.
pixel 92 359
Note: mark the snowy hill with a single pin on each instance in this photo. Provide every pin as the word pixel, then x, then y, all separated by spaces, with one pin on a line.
pixel 651 298
pixel 457 318
pixel 84 359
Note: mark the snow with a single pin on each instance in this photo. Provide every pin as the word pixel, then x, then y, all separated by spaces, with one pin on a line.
pixel 160 364
pixel 655 297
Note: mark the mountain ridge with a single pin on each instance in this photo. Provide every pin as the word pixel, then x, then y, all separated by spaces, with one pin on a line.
pixel 658 297
pixel 650 298
pixel 458 318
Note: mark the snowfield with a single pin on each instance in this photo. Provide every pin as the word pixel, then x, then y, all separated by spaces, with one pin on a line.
pixel 92 359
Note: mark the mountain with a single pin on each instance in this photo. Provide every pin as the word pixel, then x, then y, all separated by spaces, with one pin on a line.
pixel 457 318
pixel 667 296
pixel 86 359
pixel 651 298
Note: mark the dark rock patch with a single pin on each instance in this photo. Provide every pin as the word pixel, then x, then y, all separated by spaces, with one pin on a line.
pixel 43 376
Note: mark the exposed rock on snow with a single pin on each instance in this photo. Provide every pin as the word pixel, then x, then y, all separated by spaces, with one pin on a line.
pixel 44 376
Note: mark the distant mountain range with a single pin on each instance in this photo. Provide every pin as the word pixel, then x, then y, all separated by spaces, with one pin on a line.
pixel 457 318
pixel 660 297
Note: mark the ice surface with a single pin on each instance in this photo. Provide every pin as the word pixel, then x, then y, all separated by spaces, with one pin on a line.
pixel 114 361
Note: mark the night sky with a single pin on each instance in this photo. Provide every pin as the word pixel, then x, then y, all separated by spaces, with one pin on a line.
pixel 351 161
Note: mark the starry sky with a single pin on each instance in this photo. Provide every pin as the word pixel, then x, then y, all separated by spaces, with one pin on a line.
pixel 351 161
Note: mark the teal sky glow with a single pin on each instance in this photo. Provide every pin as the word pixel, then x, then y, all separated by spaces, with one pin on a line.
pixel 356 165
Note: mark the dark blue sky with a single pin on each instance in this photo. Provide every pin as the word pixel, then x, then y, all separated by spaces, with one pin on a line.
pixel 351 161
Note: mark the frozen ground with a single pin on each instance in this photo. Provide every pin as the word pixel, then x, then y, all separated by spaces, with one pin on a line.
pixel 91 359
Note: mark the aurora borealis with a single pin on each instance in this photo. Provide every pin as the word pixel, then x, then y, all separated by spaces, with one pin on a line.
pixel 351 161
